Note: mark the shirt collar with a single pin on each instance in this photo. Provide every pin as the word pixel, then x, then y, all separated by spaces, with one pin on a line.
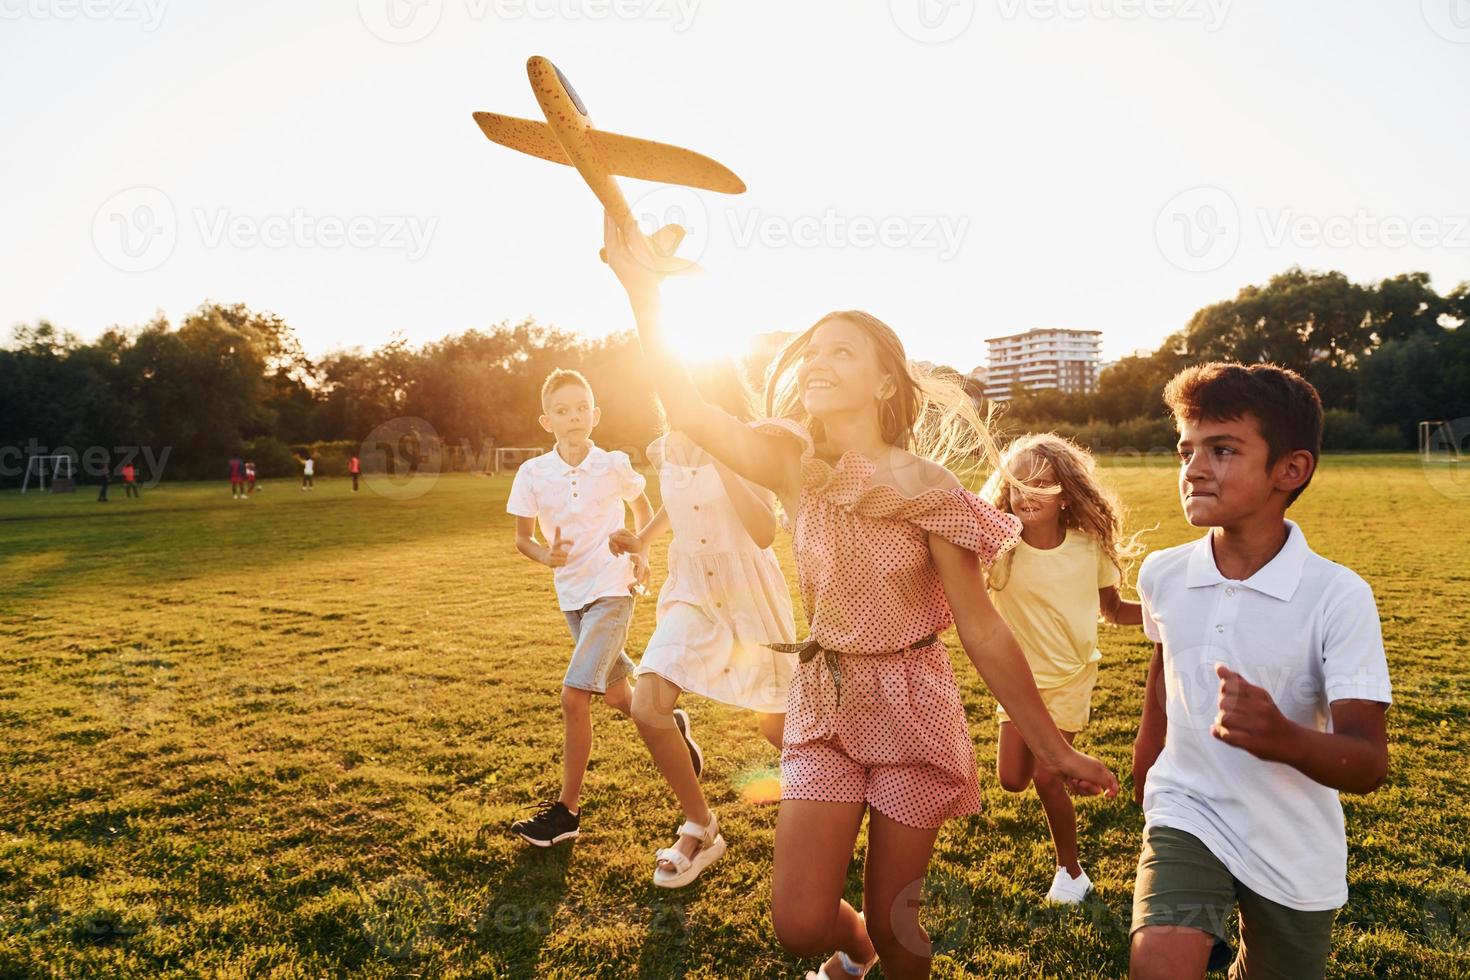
pixel 1278 578
pixel 556 466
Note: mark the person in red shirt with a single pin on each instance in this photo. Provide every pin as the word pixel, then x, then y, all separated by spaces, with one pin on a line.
pixel 130 481
pixel 354 466
pixel 237 478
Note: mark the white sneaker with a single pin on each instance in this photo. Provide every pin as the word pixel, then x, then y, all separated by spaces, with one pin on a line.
pixel 1066 890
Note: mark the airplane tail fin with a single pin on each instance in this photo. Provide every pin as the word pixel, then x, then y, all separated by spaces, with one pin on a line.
pixel 662 245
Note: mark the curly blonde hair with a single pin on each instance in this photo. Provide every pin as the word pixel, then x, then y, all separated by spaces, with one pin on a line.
pixel 1093 508
pixel 928 414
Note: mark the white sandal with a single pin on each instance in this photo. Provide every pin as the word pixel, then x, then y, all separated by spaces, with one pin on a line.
pixel 850 968
pixel 686 869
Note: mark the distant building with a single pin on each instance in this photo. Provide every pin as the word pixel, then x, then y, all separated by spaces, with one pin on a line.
pixel 1059 359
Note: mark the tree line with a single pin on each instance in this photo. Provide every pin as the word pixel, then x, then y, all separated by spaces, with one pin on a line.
pixel 230 380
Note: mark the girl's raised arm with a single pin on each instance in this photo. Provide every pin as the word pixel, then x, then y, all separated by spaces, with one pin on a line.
pixel 773 462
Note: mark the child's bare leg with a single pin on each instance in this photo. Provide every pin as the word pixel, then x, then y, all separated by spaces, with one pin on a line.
pixel 814 844
pixel 1169 953
pixel 893 883
pixel 771 726
pixel 653 712
pixel 1061 816
pixel 576 713
pixel 619 696
pixel 1014 763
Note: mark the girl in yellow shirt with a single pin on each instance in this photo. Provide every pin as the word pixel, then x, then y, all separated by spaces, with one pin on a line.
pixel 1050 589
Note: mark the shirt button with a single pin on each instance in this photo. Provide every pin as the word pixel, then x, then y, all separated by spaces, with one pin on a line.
pixel 696 507
pixel 709 573
pixel 574 493
pixel 1230 591
pixel 703 541
pixel 1219 628
pixel 719 605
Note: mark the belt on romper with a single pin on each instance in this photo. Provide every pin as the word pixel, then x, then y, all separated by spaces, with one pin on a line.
pixel 809 648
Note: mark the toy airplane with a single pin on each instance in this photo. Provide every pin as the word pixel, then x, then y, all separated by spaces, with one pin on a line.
pixel 568 137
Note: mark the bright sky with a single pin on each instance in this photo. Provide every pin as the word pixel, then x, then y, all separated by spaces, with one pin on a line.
pixel 961 168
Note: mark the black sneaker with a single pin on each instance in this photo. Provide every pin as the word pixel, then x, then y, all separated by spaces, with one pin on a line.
pixel 696 755
pixel 552 824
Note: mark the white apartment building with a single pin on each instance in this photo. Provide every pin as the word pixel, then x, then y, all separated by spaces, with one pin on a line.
pixel 1066 360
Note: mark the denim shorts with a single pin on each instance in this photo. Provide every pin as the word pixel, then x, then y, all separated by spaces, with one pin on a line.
pixel 599 629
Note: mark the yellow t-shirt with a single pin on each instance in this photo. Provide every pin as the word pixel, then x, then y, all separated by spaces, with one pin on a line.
pixel 1050 601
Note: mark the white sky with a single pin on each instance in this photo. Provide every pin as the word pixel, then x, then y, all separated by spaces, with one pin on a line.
pixel 1048 139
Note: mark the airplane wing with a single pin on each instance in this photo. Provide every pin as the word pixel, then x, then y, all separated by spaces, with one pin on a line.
pixel 624 156
pixel 628 156
pixel 526 135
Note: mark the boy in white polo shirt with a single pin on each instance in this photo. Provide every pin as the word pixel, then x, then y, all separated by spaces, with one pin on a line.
pixel 1265 697
pixel 577 492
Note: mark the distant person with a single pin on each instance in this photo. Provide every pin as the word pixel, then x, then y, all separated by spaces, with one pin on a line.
pixel 249 477
pixel 354 466
pixel 1265 697
pixel 237 478
pixel 130 481
pixel 308 469
pixel 102 491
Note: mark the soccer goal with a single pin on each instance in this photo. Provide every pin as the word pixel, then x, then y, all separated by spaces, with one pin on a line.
pixel 57 466
pixel 1439 442
pixel 510 457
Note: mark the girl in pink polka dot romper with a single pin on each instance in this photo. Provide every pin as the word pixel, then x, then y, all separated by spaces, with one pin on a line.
pixel 889 549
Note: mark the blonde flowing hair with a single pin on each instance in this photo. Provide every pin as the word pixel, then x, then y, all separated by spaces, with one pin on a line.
pixel 930 415
pixel 1092 508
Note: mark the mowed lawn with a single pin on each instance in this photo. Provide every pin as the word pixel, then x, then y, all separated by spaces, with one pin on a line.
pixel 286 737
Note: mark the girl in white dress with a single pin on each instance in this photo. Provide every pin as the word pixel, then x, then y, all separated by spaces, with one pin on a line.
pixel 724 599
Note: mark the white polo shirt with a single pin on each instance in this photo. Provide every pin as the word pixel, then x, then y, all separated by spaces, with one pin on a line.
pixel 586 502
pixel 1305 629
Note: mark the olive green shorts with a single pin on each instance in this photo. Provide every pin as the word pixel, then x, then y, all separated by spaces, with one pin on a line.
pixel 1181 883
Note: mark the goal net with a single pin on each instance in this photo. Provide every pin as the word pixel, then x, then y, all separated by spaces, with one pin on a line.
pixel 510 457
pixel 56 467
pixel 1441 440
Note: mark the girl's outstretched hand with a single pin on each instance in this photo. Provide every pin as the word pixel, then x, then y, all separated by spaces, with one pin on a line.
pixel 631 260
pixel 1085 776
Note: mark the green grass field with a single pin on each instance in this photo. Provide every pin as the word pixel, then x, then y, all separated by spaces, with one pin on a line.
pixel 285 738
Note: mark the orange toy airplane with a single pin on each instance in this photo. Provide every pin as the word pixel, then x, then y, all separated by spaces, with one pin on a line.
pixel 568 137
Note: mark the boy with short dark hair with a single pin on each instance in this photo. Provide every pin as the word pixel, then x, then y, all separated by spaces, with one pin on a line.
pixel 1265 697
pixel 577 492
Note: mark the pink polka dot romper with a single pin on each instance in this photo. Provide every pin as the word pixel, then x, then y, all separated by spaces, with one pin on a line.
pixel 876 717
